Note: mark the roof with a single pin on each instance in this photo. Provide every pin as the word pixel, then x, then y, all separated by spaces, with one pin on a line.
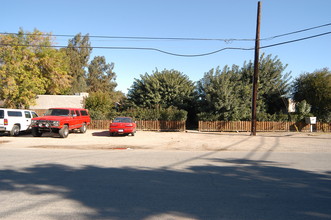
pixel 59 101
pixel 12 109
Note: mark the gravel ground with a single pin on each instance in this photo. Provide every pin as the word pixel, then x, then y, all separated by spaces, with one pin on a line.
pixel 185 141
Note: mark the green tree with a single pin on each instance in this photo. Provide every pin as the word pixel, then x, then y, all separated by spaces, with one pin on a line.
pixel 29 67
pixel 104 105
pixel 54 67
pixel 166 88
pixel 78 52
pixel 99 104
pixel 274 86
pixel 222 95
pixel 315 88
pixel 101 76
pixel 226 94
pixel 302 110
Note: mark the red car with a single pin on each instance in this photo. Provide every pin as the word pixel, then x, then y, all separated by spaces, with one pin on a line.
pixel 122 125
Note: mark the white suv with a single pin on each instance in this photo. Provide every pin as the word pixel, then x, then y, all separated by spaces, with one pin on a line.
pixel 15 120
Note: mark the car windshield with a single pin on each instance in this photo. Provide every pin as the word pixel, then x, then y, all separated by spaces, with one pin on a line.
pixel 57 112
pixel 123 120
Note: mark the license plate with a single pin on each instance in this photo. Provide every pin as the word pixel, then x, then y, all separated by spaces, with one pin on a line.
pixel 120 130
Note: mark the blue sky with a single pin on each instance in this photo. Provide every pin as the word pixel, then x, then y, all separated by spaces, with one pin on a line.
pixel 221 19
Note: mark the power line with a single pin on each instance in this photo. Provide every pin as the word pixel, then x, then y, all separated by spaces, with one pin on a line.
pixel 170 53
pixel 138 38
pixel 295 32
pixel 175 38
pixel 300 39
pixel 132 48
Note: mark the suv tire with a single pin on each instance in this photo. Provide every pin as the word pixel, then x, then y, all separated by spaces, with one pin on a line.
pixel 83 128
pixel 15 131
pixel 64 131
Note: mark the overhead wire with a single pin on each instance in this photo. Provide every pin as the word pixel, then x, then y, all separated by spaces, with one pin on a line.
pixel 184 55
pixel 296 40
pixel 176 38
pixel 296 32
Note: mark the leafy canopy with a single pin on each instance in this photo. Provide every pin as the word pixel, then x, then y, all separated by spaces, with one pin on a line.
pixel 226 94
pixel 29 67
pixel 100 75
pixel 78 53
pixel 166 88
pixel 315 88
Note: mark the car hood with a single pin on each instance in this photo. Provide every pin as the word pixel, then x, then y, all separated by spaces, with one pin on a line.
pixel 50 118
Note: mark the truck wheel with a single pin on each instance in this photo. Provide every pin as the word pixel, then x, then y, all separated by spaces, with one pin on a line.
pixel 83 128
pixel 15 131
pixel 64 131
pixel 36 132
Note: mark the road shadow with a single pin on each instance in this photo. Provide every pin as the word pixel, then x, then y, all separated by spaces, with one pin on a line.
pixel 101 134
pixel 107 134
pixel 229 189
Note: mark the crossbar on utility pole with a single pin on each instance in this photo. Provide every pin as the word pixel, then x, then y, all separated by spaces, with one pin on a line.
pixel 256 70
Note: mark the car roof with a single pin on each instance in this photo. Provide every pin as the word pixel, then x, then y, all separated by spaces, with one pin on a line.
pixel 12 109
pixel 70 108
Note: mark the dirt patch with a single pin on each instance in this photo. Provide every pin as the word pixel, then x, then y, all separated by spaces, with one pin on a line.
pixel 88 147
pixel 178 141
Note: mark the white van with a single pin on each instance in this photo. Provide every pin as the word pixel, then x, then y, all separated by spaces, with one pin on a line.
pixel 13 121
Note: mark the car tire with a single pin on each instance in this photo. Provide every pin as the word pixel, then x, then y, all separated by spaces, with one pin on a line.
pixel 132 134
pixel 64 131
pixel 83 129
pixel 15 131
pixel 36 132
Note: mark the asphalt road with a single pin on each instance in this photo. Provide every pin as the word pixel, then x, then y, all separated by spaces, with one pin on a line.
pixel 140 184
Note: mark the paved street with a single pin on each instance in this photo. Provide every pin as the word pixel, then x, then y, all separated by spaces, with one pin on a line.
pixel 39 183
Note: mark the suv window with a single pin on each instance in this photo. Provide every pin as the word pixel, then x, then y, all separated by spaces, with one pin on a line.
pixel 57 112
pixel 14 113
pixel 27 114
pixel 2 113
pixel 83 112
pixel 77 113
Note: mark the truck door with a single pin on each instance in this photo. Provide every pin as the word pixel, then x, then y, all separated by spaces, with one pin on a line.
pixel 2 120
pixel 27 121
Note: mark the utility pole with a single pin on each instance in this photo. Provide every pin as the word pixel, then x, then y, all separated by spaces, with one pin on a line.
pixel 256 70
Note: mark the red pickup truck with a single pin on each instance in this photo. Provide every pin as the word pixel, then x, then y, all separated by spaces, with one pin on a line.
pixel 61 120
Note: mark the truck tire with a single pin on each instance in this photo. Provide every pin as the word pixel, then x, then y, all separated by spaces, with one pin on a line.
pixel 15 131
pixel 83 128
pixel 64 131
pixel 36 132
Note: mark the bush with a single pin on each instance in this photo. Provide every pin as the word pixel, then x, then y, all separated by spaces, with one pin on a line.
pixel 154 114
pixel 99 105
pixel 206 116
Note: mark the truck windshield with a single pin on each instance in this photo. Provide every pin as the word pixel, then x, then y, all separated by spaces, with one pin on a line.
pixel 57 112
pixel 122 120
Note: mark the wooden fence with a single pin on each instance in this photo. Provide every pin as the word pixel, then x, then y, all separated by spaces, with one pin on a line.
pixel 261 126
pixel 144 125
